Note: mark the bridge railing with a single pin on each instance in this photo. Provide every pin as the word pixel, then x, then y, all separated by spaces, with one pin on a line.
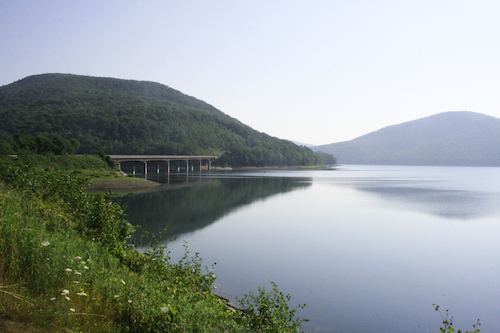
pixel 165 158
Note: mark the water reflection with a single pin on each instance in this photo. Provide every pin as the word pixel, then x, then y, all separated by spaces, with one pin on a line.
pixel 428 196
pixel 368 249
pixel 185 206
pixel 451 204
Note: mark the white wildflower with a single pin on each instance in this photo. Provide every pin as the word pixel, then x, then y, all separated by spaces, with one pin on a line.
pixel 85 267
pixel 65 292
pixel 67 298
pixel 81 294
pixel 76 281
pixel 164 309
pixel 130 301
pixel 53 298
pixel 77 273
pixel 68 270
pixel 78 258
pixel 45 243
pixel 72 310
pixel 116 296
pixel 122 281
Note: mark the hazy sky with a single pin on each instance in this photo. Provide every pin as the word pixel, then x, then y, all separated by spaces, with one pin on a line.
pixel 313 71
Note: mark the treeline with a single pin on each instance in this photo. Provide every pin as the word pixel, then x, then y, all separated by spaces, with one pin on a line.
pixel 136 117
pixel 37 145
pixel 285 155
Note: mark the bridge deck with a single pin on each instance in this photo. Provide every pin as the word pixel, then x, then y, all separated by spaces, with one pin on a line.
pixel 167 158
pixel 143 158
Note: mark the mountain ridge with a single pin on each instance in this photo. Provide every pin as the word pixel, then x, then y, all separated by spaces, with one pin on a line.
pixel 136 117
pixel 453 138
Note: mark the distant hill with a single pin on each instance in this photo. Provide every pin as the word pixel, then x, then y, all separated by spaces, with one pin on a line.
pixel 302 144
pixel 136 117
pixel 459 138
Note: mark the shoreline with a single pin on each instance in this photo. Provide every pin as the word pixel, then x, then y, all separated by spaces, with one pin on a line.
pixel 122 185
pixel 127 184
pixel 294 167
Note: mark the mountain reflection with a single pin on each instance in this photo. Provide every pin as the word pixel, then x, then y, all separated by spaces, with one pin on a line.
pixel 182 208
pixel 450 204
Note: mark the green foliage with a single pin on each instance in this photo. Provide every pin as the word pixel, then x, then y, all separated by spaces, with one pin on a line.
pixel 448 323
pixel 95 217
pixel 270 312
pixel 285 153
pixel 132 117
pixel 85 166
pixel 22 144
pixel 328 159
pixel 107 159
pixel 64 266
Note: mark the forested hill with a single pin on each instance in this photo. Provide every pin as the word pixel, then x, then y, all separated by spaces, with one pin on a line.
pixel 136 117
pixel 458 138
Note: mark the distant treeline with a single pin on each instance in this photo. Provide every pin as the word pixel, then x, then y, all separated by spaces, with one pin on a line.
pixel 37 145
pixel 285 155
pixel 137 117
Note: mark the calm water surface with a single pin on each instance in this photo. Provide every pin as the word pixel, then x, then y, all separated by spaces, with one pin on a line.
pixel 368 248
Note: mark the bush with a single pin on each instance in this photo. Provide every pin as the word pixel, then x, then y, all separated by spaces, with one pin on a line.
pixel 269 311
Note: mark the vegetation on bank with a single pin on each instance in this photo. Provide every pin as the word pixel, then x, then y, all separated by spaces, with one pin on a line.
pixel 65 266
pixel 136 117
pixel 91 167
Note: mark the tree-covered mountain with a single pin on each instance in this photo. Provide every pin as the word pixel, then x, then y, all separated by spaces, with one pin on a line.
pixel 457 138
pixel 136 117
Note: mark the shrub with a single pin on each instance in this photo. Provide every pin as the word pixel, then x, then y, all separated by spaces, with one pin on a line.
pixel 269 311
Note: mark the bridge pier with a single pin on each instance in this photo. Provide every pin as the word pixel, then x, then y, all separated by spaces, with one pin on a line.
pixel 119 159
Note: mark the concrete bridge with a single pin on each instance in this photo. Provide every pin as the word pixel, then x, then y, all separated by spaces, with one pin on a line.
pixel 164 158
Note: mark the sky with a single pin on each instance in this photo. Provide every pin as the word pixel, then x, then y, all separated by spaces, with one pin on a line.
pixel 315 71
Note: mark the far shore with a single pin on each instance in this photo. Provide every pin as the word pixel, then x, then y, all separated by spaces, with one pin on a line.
pixel 294 167
pixel 133 184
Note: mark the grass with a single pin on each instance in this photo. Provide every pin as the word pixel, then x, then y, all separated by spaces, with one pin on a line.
pixel 65 267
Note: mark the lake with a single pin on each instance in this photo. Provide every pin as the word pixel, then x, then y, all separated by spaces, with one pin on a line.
pixel 367 248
